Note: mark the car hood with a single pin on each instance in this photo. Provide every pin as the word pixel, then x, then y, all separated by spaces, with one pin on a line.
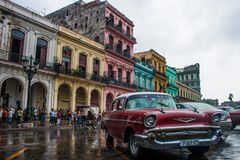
pixel 181 117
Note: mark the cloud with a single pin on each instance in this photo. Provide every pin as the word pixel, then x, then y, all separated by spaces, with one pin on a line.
pixel 186 32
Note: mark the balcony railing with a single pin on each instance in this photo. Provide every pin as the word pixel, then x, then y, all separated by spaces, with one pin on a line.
pixel 79 73
pixel 121 31
pixel 18 58
pixel 112 79
pixel 125 53
pixel 160 73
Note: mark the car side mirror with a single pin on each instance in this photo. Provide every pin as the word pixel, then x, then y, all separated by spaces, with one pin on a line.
pixel 120 108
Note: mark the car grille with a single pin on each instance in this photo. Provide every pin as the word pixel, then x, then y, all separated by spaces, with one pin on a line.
pixel 183 133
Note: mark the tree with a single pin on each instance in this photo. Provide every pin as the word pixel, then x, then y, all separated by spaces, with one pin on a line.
pixel 230 97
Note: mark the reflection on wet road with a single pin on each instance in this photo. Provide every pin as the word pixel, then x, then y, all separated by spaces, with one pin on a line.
pixel 86 145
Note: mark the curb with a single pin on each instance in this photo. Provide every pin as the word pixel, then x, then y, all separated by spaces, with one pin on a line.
pixel 36 128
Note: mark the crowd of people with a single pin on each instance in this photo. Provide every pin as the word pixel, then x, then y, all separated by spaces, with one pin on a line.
pixel 12 115
pixel 18 116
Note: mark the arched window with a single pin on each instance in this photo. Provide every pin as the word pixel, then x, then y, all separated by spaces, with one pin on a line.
pixel 128 77
pixel 119 47
pixel 111 21
pixel 41 52
pixel 17 43
pixel 119 26
pixel 111 41
pixel 110 72
pixel 120 74
pixel 82 63
pixel 128 31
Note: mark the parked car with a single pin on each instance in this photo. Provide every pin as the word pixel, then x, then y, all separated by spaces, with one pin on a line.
pixel 235 116
pixel 150 120
pixel 225 124
pixel 226 108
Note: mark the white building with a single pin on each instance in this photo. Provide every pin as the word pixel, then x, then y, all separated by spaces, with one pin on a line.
pixel 24 33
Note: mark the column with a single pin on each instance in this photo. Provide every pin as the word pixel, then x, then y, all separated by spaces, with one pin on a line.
pixel 88 98
pixel 55 103
pixel 102 100
pixel 73 101
pixel 89 64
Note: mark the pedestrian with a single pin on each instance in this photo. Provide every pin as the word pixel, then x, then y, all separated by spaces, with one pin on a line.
pixel 74 116
pixel 4 116
pixel 25 115
pixel 69 114
pixel 19 115
pixel 10 116
pixel 55 118
pixel 43 116
pixel 78 120
pixel 52 115
pixel 35 112
pixel 59 116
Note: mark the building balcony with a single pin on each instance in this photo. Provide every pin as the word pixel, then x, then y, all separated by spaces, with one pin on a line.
pixel 17 58
pixel 160 73
pixel 112 80
pixel 60 69
pixel 123 53
pixel 120 31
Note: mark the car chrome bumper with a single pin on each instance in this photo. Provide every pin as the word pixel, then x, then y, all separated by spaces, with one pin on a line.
pixel 226 125
pixel 146 142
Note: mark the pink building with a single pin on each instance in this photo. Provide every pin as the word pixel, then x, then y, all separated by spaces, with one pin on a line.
pixel 103 23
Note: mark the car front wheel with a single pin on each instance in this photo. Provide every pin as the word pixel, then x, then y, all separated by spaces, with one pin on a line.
pixel 109 139
pixel 198 150
pixel 135 150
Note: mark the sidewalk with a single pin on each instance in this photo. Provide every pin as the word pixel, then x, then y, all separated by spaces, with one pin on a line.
pixel 36 125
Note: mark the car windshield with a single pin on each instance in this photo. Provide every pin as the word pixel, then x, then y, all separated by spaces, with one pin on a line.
pixel 202 106
pixel 150 101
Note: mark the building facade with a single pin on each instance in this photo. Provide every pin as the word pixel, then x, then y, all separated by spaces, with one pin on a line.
pixel 171 87
pixel 143 76
pixel 190 76
pixel 24 33
pixel 103 23
pixel 158 62
pixel 80 69
pixel 187 94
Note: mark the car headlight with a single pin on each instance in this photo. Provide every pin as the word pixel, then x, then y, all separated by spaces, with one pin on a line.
pixel 216 118
pixel 150 121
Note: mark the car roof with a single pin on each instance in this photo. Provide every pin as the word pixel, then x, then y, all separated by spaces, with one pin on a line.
pixel 126 95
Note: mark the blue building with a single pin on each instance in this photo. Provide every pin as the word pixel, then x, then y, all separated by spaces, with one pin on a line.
pixel 171 87
pixel 143 76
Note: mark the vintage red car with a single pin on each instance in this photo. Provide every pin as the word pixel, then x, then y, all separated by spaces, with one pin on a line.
pixel 235 116
pixel 150 120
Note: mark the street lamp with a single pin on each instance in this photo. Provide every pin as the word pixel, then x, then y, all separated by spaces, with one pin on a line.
pixel 30 68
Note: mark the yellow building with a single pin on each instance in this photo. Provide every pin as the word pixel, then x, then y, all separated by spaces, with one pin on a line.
pixel 158 62
pixel 187 94
pixel 80 66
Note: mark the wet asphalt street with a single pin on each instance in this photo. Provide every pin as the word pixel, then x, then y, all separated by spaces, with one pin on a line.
pixel 66 143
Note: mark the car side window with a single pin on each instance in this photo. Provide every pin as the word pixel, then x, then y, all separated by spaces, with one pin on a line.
pixel 179 106
pixel 121 104
pixel 115 105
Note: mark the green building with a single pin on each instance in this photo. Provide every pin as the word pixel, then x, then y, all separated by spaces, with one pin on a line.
pixel 171 87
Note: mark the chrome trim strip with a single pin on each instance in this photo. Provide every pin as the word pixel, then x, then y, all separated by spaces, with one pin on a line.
pixel 179 127
pixel 188 133
pixel 121 120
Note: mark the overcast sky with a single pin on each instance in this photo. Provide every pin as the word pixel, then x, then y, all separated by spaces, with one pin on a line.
pixel 185 32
